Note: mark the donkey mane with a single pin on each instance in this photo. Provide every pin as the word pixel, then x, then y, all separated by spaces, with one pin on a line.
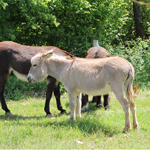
pixel 64 52
pixel 68 54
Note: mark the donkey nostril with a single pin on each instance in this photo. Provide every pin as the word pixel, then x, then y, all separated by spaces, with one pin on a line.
pixel 29 79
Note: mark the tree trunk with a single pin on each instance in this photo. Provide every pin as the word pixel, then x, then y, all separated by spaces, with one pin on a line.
pixel 138 21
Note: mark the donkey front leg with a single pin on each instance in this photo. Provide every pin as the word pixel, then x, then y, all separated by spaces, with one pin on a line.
pixel 78 105
pixel 3 80
pixel 72 104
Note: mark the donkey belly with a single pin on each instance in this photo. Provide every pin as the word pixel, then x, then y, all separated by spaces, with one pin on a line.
pixel 98 91
pixel 20 76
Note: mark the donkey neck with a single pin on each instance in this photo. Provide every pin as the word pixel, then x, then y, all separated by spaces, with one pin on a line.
pixel 57 66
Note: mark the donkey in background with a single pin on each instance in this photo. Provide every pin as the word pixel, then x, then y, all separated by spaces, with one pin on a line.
pixel 89 76
pixel 96 52
pixel 15 58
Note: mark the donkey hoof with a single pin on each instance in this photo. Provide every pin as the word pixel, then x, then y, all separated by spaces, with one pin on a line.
pixel 135 126
pixel 99 106
pixel 9 113
pixel 123 131
pixel 107 107
pixel 63 111
pixel 50 116
pixel 72 119
pixel 127 128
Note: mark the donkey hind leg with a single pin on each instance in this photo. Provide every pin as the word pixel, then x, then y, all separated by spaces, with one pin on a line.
pixel 72 104
pixel 85 103
pixel 78 105
pixel 106 101
pixel 133 110
pixel 57 96
pixel 129 95
pixel 98 101
pixel 94 99
pixel 118 91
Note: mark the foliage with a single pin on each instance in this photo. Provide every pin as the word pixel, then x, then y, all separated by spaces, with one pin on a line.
pixel 68 24
pixel 137 52
pixel 97 128
pixel 72 25
pixel 16 89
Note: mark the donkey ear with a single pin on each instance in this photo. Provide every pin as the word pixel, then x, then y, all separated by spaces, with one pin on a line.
pixel 47 55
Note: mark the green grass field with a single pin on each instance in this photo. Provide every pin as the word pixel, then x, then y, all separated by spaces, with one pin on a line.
pixel 97 128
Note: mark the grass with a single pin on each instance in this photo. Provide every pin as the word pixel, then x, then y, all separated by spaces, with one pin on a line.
pixel 97 128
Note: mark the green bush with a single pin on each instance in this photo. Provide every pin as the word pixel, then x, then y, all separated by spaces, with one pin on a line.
pixel 137 52
pixel 16 89
pixel 68 24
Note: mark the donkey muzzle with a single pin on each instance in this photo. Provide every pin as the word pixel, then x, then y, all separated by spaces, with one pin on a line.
pixel 30 78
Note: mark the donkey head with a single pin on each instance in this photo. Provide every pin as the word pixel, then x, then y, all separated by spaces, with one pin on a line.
pixel 97 52
pixel 38 70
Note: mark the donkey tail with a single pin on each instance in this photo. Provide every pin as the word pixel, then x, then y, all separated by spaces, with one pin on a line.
pixel 129 85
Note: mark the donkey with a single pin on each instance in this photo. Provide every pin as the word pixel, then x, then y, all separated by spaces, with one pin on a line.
pixel 89 76
pixel 96 52
pixel 15 58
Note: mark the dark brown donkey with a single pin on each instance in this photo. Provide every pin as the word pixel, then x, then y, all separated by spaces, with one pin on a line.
pixel 96 52
pixel 15 58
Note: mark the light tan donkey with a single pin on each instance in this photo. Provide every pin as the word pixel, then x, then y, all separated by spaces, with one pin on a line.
pixel 89 76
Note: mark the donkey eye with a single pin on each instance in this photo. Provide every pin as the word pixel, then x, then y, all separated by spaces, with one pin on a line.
pixel 34 65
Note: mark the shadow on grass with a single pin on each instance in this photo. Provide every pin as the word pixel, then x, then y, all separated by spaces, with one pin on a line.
pixel 86 124
pixel 16 117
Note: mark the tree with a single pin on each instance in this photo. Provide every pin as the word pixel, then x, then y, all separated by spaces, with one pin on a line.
pixel 138 20
pixel 68 24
